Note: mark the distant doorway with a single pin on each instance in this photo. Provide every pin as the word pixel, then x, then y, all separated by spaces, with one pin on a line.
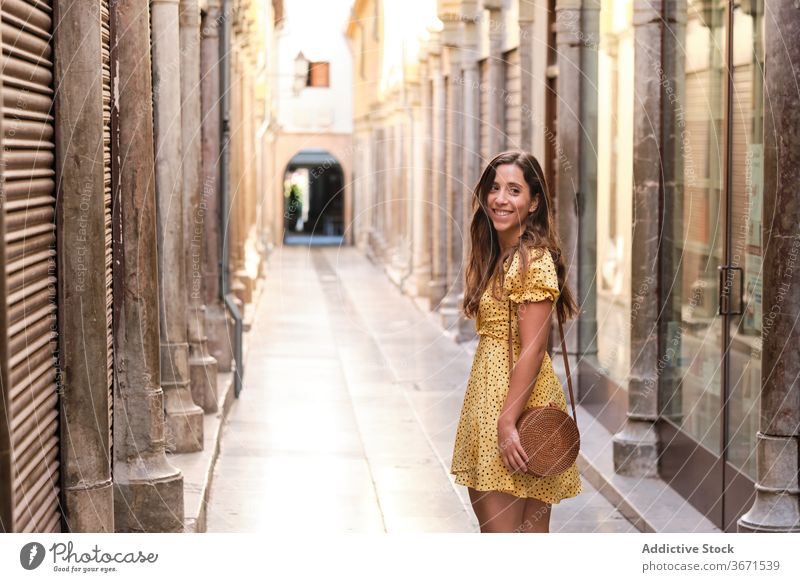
pixel 313 199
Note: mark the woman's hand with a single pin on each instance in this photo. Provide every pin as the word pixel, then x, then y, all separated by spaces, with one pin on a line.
pixel 510 447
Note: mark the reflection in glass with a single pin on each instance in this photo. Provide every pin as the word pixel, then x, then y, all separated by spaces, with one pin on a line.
pixel 690 338
pixel 746 245
pixel 615 97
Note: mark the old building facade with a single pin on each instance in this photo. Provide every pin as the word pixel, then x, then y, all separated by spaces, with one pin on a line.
pixel 308 199
pixel 674 202
pixel 129 244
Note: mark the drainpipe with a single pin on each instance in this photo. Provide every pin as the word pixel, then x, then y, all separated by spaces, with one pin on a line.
pixel 224 185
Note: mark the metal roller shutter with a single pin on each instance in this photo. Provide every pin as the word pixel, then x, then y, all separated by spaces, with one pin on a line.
pixel 29 470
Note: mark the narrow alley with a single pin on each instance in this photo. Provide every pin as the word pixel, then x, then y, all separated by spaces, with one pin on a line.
pixel 246 249
pixel 348 412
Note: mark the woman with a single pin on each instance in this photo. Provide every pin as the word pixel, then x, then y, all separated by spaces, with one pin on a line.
pixel 515 255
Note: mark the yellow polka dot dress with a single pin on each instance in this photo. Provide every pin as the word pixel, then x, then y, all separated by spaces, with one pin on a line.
pixel 476 460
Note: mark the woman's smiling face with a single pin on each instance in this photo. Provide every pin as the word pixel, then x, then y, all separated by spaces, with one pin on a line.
pixel 509 199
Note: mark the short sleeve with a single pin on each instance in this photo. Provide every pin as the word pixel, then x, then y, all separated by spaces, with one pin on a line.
pixel 539 283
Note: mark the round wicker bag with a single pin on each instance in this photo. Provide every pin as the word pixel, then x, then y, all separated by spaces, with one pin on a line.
pixel 549 436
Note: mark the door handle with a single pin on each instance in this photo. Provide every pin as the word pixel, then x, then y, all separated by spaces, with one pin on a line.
pixel 725 285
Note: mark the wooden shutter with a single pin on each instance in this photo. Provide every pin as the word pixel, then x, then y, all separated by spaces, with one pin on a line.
pixel 29 470
pixel 318 74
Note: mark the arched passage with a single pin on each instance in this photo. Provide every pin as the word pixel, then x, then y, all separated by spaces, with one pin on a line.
pixel 313 199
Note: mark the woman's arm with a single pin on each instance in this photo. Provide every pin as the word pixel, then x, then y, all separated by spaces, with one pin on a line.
pixel 534 329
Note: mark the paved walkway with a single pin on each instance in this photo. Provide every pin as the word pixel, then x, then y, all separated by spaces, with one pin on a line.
pixel 348 413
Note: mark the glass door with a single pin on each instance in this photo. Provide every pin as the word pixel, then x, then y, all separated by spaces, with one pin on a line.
pixel 742 291
pixel 710 335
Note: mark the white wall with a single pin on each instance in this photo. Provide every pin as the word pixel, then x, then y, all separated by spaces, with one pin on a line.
pixel 318 29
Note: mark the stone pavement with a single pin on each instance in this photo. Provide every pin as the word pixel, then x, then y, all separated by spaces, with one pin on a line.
pixel 348 413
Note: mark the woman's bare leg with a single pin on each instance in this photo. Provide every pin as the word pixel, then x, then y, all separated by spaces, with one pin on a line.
pixel 497 512
pixel 535 517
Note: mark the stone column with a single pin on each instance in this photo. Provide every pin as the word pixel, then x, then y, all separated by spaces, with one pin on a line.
pixel 371 188
pixel 568 132
pixel 387 193
pixel 234 226
pixel 420 184
pixel 575 189
pixel 375 245
pixel 527 8
pixel 496 88
pixel 398 207
pixel 379 239
pixel 202 366
pixel 438 285
pixel 471 150
pixel 586 247
pixel 409 105
pixel 393 207
pixel 218 322
pixel 576 182
pixel 366 181
pixel 777 503
pixel 247 196
pixel 403 209
pixel 148 491
pixel 417 184
pixel 81 232
pixel 635 446
pixel 363 199
pixel 184 417
pixel 454 195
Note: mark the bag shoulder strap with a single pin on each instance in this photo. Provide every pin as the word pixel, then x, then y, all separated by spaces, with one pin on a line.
pixel 563 351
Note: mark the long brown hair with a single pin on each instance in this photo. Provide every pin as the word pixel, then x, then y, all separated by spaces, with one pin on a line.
pixel 485 261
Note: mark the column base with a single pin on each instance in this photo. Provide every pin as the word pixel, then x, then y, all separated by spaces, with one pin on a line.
pixel 90 508
pixel 777 503
pixel 148 496
pixel 395 275
pixel 466 329
pixel 203 379
pixel 202 366
pixel 437 290
pixel 377 247
pixel 772 512
pixel 219 330
pixel 399 265
pixel 184 420
pixel 450 313
pixel 636 449
pixel 240 287
pixel 250 286
pixel 417 284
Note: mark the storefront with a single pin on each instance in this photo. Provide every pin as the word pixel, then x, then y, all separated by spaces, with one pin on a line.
pixel 710 251
pixel 711 339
